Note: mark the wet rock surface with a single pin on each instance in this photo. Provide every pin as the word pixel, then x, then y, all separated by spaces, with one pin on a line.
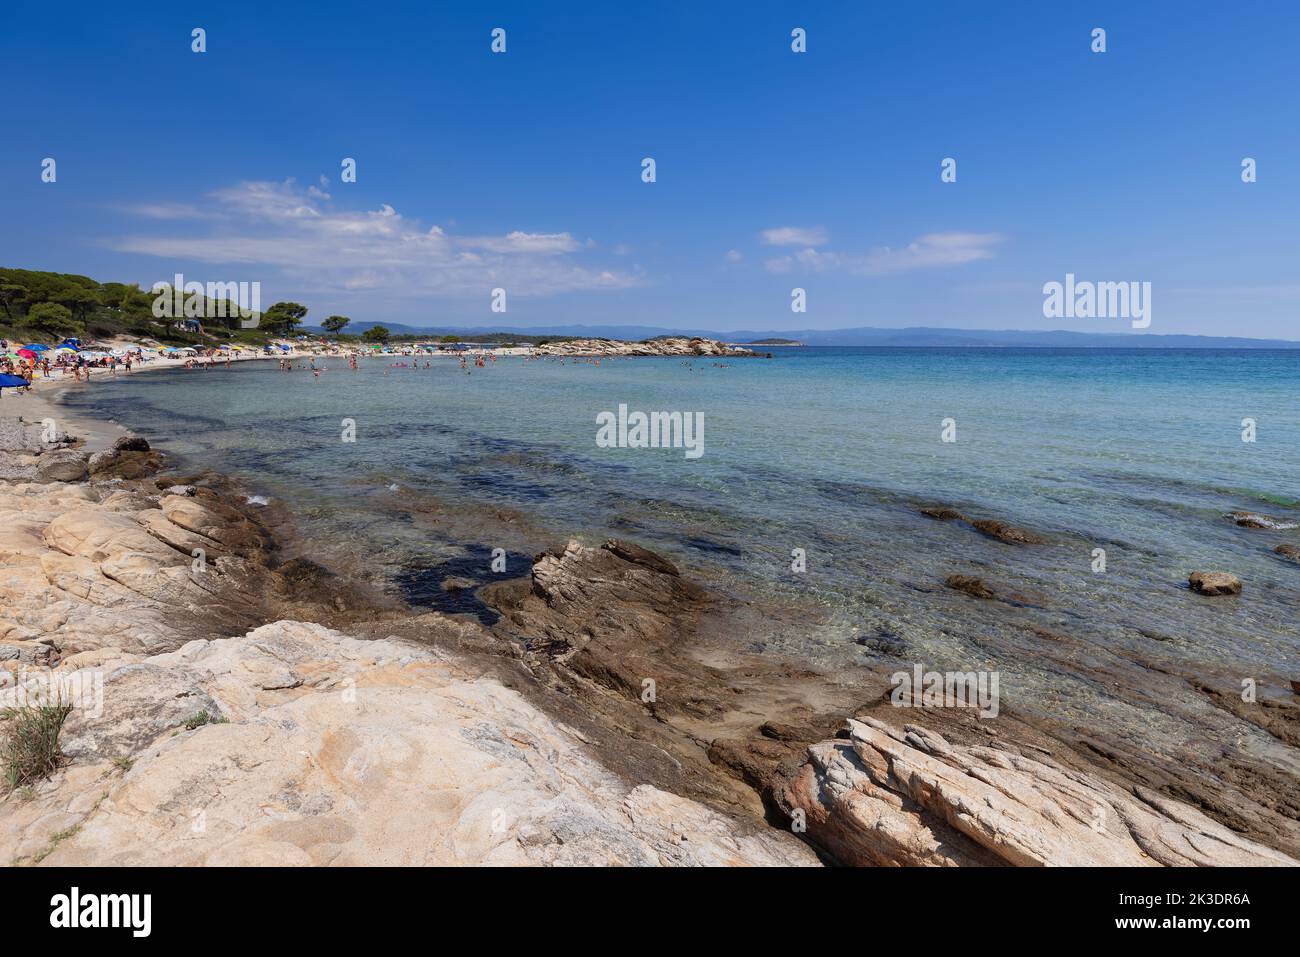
pixel 970 585
pixel 993 528
pixel 1255 520
pixel 1213 584
pixel 1004 532
pixel 785 748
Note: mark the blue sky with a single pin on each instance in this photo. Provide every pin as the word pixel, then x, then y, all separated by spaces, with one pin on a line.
pixel 774 169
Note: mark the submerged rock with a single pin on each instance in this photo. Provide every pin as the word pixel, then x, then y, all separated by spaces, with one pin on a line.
pixel 1003 532
pixel 975 587
pixel 1254 520
pixel 1213 584
pixel 993 528
pixel 942 513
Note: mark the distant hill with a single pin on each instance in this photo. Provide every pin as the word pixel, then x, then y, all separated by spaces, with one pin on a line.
pixel 913 337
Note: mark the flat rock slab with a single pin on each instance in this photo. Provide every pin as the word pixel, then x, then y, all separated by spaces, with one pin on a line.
pixel 886 796
pixel 319 749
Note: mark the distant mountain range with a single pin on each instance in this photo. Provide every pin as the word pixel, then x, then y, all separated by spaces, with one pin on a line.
pixel 914 336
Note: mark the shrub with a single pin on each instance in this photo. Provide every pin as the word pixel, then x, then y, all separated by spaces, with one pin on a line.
pixel 30 749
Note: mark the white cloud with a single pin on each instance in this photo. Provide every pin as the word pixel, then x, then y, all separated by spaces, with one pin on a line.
pixel 926 252
pixel 299 233
pixel 163 210
pixel 932 249
pixel 795 236
pixel 519 242
pixel 733 256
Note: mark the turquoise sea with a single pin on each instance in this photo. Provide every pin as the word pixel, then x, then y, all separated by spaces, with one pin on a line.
pixel 829 450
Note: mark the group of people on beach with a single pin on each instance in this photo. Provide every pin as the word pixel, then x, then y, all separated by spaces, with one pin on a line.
pixel 208 359
pixel 47 364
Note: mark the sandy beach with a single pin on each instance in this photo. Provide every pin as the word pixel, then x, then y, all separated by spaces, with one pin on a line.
pixel 41 402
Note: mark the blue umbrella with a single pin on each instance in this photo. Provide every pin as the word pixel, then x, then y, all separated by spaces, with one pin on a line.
pixel 12 381
pixel 37 347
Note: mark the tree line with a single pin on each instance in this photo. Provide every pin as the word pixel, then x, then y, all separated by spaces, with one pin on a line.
pixel 58 305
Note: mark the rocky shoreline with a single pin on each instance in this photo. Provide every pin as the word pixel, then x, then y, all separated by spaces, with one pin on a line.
pixel 258 710
pixel 667 346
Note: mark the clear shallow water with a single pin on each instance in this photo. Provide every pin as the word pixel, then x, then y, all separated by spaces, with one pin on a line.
pixel 829 450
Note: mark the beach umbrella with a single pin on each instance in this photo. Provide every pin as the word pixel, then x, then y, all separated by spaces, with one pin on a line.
pixel 26 353
pixel 10 381
pixel 36 347
pixel 65 349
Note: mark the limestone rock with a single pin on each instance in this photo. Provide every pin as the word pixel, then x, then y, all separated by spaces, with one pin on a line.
pixel 376 752
pixel 61 465
pixel 668 346
pixel 213 520
pixel 908 797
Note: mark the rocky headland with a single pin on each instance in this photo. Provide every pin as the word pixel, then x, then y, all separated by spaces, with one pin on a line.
pixel 667 346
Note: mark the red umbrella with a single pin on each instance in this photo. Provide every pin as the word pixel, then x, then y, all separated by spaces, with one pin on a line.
pixel 27 353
